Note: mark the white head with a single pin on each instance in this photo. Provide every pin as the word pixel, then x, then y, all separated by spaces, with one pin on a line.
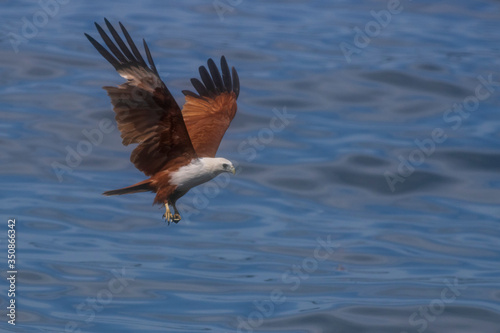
pixel 218 165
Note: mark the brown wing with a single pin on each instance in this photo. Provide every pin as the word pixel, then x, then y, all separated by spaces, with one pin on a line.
pixel 207 115
pixel 146 112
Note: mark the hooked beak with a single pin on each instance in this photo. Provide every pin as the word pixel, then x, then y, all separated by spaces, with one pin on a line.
pixel 233 170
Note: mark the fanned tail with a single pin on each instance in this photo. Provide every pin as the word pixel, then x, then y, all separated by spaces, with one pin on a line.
pixel 143 186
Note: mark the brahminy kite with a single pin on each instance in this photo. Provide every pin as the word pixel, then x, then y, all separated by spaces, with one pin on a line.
pixel 176 149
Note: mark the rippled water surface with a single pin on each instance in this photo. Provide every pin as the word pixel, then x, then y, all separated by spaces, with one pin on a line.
pixel 372 206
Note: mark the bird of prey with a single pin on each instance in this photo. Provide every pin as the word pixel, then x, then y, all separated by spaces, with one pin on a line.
pixel 176 149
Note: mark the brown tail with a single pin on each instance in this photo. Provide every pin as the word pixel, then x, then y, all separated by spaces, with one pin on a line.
pixel 143 186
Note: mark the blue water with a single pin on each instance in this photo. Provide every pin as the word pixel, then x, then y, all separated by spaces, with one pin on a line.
pixel 373 206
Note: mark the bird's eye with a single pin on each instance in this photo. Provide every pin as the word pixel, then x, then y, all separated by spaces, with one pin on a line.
pixel 225 166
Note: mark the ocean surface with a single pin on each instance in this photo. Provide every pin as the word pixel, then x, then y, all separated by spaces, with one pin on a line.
pixel 367 197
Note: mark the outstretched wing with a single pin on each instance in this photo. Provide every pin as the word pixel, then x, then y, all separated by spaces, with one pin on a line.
pixel 146 112
pixel 207 115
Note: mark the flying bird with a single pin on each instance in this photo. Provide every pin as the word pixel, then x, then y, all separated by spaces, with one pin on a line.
pixel 176 148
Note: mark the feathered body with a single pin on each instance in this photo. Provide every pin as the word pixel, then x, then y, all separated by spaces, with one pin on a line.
pixel 175 148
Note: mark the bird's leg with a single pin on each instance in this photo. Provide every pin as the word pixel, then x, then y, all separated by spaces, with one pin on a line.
pixel 177 216
pixel 168 215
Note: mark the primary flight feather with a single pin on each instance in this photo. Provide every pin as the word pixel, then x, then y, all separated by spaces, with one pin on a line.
pixel 176 149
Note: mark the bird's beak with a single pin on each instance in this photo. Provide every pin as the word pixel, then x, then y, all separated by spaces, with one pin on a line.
pixel 233 170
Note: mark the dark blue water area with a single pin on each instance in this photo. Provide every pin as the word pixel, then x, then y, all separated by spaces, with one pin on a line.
pixel 367 197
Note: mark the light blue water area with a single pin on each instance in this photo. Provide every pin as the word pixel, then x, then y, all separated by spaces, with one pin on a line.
pixel 373 208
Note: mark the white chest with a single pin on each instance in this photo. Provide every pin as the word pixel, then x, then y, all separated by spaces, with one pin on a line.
pixel 192 175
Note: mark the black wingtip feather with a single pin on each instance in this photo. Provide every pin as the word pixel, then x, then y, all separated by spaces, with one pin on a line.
pixel 109 43
pixel 200 88
pixel 207 80
pixel 150 58
pixel 226 74
pixel 108 56
pixel 190 93
pixel 131 43
pixel 119 41
pixel 217 79
pixel 214 83
pixel 236 82
pixel 120 55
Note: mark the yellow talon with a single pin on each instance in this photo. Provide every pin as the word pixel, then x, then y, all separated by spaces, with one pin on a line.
pixel 168 215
